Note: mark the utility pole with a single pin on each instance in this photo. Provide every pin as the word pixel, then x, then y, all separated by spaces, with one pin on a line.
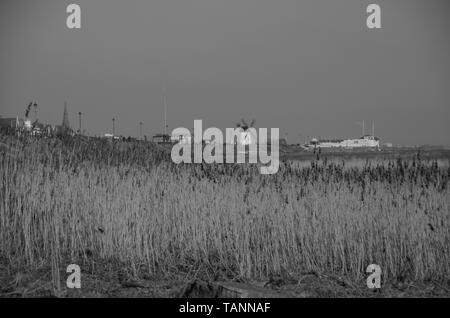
pixel 79 122
pixel 363 127
pixel 165 115
pixel 373 128
pixel 114 127
pixel 140 130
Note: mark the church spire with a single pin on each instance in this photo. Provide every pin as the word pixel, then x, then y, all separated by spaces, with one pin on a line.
pixel 65 122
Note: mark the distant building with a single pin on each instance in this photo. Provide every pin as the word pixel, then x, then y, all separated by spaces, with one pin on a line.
pixel 39 129
pixel 9 123
pixel 111 136
pixel 182 139
pixel 27 125
pixel 162 139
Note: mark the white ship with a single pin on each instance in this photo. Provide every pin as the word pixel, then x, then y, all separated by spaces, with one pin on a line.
pixel 366 141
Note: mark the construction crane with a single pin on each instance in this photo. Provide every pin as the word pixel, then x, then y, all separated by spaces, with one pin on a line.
pixel 27 110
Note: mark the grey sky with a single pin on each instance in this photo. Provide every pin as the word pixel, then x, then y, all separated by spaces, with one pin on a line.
pixel 311 68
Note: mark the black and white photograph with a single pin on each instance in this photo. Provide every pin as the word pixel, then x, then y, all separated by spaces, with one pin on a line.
pixel 243 150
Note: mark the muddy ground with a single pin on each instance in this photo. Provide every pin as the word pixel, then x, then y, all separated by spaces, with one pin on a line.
pixel 109 279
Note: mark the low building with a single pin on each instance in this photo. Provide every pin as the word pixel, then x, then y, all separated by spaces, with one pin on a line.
pixel 162 139
pixel 182 139
pixel 8 122
pixel 111 136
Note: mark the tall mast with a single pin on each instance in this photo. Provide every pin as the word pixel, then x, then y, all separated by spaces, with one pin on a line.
pixel 373 128
pixel 165 115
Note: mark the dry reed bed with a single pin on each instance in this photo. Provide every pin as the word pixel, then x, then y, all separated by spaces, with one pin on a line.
pixel 62 199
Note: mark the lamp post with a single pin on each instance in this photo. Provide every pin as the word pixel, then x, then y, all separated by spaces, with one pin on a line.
pixel 79 122
pixel 114 127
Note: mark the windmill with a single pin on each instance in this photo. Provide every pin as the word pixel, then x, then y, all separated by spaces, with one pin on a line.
pixel 247 135
pixel 35 105
pixel 27 122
